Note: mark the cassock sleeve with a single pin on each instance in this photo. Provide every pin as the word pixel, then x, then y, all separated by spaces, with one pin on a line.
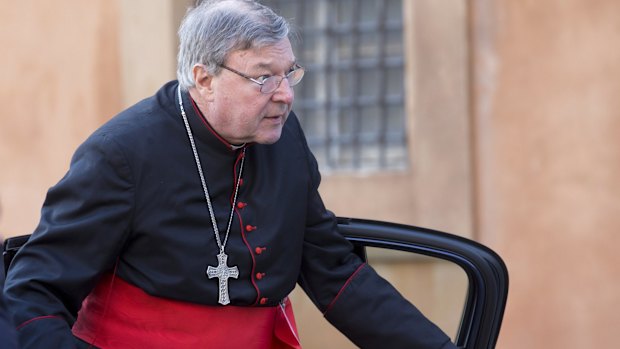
pixel 84 222
pixel 352 296
pixel 7 330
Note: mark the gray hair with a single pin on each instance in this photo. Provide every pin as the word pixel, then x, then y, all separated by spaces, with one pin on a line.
pixel 214 28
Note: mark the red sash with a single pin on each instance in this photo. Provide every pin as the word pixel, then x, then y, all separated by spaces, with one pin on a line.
pixel 119 315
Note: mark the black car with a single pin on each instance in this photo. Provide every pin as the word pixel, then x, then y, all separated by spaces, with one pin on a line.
pixel 487 276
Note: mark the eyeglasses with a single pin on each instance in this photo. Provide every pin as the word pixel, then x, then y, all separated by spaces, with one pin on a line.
pixel 270 83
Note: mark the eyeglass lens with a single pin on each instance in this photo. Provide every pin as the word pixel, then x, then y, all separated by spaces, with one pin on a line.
pixel 272 83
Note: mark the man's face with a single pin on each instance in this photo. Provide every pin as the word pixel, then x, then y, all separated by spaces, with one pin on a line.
pixel 237 109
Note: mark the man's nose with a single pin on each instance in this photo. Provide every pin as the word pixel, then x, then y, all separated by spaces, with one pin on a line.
pixel 284 93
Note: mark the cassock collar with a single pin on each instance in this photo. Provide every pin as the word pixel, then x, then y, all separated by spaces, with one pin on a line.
pixel 202 129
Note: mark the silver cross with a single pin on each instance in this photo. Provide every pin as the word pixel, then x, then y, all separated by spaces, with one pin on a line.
pixel 223 272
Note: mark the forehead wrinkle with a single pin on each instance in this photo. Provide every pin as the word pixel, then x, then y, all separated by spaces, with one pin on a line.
pixel 263 63
pixel 268 66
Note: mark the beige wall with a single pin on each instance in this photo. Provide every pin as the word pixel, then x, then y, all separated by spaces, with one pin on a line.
pixel 513 124
pixel 60 78
pixel 547 121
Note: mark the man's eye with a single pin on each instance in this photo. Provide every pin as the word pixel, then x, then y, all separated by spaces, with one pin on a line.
pixel 262 78
pixel 293 68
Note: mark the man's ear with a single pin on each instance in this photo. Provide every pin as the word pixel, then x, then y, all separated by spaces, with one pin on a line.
pixel 203 80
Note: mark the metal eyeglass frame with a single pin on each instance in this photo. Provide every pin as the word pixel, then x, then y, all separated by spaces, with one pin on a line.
pixel 297 69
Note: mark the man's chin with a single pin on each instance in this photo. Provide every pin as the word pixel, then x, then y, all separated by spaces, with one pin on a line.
pixel 269 138
pixel 268 141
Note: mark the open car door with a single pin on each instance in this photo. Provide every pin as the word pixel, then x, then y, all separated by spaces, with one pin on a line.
pixel 487 276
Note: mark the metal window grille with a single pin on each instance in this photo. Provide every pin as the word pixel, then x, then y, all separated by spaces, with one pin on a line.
pixel 351 102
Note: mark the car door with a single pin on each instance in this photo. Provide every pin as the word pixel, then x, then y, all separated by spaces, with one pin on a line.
pixel 486 273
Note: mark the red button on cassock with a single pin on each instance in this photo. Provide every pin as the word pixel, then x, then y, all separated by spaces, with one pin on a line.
pixel 241 205
pixel 263 300
pixel 250 227
pixel 260 275
pixel 260 250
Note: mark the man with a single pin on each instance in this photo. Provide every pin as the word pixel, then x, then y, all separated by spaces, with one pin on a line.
pixel 186 220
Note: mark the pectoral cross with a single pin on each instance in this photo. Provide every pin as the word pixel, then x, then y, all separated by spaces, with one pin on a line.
pixel 223 273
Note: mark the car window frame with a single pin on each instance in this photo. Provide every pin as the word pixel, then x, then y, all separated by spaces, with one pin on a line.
pixel 487 274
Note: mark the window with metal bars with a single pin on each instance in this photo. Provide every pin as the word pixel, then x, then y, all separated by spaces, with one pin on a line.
pixel 351 102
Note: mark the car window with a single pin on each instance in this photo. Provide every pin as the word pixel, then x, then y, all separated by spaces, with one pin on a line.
pixel 436 286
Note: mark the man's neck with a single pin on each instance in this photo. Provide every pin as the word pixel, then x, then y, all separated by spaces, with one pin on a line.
pixel 196 98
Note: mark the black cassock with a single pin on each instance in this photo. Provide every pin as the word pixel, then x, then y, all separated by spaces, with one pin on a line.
pixel 132 198
pixel 8 339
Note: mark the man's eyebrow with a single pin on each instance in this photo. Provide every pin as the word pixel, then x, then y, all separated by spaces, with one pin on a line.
pixel 268 66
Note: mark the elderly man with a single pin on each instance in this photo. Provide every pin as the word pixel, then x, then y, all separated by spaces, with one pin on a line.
pixel 186 220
